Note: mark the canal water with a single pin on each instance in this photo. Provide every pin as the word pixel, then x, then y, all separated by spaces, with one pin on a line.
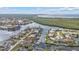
pixel 4 34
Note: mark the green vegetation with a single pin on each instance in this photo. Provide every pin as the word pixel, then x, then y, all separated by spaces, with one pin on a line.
pixel 30 48
pixel 71 23
pixel 48 41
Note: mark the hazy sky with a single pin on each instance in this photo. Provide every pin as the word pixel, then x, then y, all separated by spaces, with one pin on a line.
pixel 39 10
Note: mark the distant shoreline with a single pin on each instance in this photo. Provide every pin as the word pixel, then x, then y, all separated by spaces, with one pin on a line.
pixel 58 26
pixel 59 23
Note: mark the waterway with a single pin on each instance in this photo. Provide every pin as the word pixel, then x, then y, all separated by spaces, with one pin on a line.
pixel 4 34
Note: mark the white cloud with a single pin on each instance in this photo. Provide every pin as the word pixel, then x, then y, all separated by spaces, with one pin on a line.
pixel 51 10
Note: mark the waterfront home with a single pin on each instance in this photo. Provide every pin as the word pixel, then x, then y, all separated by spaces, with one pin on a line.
pixel 10 27
pixel 62 35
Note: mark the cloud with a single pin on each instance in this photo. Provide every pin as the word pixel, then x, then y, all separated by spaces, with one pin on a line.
pixel 40 10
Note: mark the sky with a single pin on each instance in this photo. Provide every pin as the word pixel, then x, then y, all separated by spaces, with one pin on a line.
pixel 39 10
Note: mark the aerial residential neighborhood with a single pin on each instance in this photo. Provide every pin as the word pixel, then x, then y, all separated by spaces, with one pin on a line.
pixel 39 31
pixel 63 35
